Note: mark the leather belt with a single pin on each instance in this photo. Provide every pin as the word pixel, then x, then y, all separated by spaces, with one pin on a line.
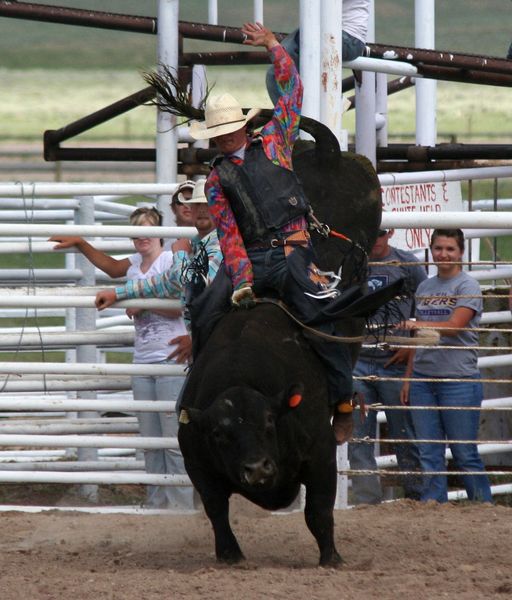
pixel 279 243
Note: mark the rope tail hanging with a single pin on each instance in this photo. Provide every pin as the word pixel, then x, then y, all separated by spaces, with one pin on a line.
pixel 195 271
pixel 379 324
pixel 28 208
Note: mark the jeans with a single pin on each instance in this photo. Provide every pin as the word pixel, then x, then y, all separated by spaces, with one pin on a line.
pixel 352 48
pixel 367 488
pixel 452 425
pixel 159 424
pixel 274 273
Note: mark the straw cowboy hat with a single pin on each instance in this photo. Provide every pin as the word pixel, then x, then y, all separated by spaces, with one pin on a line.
pixel 223 114
pixel 198 194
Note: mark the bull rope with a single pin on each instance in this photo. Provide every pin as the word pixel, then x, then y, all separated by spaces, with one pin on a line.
pixel 355 339
pixel 332 338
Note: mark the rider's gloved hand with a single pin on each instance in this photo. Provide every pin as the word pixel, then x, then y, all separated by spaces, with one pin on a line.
pixel 243 298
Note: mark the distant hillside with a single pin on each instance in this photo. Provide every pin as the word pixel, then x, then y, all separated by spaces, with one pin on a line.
pixel 475 26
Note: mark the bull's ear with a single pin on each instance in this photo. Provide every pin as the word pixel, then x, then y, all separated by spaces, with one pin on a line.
pixel 188 415
pixel 294 396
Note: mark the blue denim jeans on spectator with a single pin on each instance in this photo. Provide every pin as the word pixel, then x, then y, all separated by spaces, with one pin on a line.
pixel 162 424
pixel 367 488
pixel 451 425
pixel 351 49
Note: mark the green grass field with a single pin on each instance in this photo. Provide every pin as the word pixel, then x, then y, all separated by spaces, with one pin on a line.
pixel 40 99
pixel 53 74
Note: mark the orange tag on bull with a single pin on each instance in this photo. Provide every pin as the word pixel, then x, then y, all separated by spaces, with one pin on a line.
pixel 294 400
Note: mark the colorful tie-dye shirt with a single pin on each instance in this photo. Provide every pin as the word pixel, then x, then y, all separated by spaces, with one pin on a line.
pixel 278 137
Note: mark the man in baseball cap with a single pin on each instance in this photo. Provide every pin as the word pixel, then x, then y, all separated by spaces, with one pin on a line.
pixel 179 207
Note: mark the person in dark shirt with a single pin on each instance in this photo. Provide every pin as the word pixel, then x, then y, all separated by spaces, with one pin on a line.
pixel 385 268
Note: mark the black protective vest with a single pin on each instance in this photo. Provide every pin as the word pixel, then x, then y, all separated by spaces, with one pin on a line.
pixel 263 196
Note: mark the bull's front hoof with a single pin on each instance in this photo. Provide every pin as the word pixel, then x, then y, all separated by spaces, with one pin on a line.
pixel 333 561
pixel 230 558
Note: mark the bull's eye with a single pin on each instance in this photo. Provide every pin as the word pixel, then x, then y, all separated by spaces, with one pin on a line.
pixel 217 434
pixel 220 435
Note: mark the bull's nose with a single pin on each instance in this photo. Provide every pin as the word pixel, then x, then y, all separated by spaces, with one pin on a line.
pixel 259 472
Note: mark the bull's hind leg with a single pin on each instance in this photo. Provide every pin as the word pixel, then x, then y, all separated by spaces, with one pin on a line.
pixel 320 497
pixel 226 545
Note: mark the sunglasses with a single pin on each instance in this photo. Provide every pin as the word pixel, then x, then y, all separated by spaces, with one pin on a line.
pixel 383 232
pixel 146 211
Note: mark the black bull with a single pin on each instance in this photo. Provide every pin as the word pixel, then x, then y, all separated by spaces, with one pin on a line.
pixel 257 420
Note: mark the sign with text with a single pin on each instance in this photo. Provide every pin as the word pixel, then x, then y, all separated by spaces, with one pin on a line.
pixel 420 197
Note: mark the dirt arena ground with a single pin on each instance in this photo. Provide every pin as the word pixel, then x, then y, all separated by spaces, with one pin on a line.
pixel 394 551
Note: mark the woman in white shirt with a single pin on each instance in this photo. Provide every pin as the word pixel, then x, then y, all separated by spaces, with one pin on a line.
pixel 160 338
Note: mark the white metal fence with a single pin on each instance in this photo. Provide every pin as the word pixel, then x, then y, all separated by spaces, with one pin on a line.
pixel 61 405
pixel 40 406
pixel 33 390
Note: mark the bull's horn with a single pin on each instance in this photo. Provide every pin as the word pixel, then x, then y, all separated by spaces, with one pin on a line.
pixel 184 418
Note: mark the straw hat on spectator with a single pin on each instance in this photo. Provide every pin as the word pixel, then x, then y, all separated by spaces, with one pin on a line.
pixel 223 114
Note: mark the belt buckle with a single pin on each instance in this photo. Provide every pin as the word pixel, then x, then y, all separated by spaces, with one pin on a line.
pixel 274 243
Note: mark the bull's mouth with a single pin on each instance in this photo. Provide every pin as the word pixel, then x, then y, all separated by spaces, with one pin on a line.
pixel 260 473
